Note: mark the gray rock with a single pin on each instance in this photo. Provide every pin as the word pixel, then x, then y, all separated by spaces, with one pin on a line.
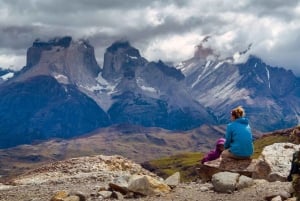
pixel 173 180
pixel 277 198
pixel 282 193
pixel 81 195
pixel 244 182
pixel 146 185
pixel 277 159
pixel 204 188
pixel 225 182
pixel 105 194
pixel 120 184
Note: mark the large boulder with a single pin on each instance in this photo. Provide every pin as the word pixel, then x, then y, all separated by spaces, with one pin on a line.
pixel 274 163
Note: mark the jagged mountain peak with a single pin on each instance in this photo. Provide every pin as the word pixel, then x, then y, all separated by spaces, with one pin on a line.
pixel 57 41
pixel 167 70
pixel 123 45
pixel 121 60
pixel 65 59
pixel 275 81
pixel 203 51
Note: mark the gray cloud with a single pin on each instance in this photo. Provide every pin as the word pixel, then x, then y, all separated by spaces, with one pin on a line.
pixel 167 30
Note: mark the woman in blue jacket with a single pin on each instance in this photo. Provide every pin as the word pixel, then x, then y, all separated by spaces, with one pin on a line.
pixel 238 136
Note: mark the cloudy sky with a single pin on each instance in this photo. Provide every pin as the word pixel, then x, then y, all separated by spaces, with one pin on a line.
pixel 161 29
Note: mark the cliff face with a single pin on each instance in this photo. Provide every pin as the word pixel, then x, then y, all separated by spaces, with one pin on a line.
pixel 71 62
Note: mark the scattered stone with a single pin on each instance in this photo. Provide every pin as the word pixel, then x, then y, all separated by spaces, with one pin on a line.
pixel 277 198
pixel 81 196
pixel 225 182
pixel 147 185
pixel 208 185
pixel 120 184
pixel 244 182
pixel 59 196
pixel 204 188
pixel 4 187
pixel 282 193
pixel 173 180
pixel 105 194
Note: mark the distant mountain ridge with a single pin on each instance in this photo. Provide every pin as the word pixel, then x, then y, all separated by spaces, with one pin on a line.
pixel 269 94
pixel 63 92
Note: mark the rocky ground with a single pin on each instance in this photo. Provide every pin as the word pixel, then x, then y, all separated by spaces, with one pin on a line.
pixel 88 175
pixel 184 192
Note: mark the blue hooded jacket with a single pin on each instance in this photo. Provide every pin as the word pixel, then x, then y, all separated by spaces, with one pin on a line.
pixel 239 138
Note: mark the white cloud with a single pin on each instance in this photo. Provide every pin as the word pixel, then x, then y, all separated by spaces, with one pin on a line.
pixel 168 30
pixel 13 62
pixel 174 48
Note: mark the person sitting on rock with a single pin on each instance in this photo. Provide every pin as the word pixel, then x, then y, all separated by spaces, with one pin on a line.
pixel 239 140
pixel 214 154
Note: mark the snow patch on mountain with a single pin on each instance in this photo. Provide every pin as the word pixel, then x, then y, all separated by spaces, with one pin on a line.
pixel 141 83
pixel 219 64
pixel 187 68
pixel 61 78
pixel 7 76
pixel 103 84
pixel 92 88
pixel 132 57
pixel 204 71
pixel 268 75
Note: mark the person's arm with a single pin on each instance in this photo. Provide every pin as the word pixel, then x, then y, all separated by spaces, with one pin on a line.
pixel 228 137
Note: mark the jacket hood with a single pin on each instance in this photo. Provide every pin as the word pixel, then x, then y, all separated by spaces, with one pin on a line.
pixel 242 120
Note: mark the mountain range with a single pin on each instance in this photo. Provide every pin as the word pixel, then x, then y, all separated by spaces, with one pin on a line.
pixel 62 92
